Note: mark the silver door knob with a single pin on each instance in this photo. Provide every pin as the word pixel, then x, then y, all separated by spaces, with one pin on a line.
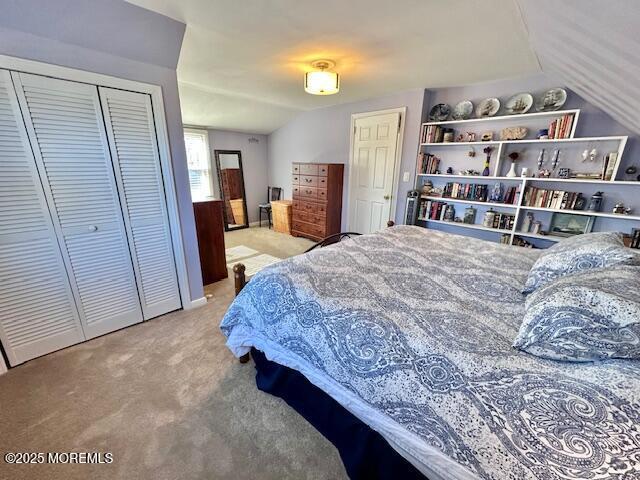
pixel 93 228
pixel 387 197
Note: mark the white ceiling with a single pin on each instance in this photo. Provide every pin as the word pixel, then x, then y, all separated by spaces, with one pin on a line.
pixel 242 61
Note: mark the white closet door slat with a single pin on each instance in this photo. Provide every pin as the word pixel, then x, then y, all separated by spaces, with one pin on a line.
pixel 65 126
pixel 37 310
pixel 131 132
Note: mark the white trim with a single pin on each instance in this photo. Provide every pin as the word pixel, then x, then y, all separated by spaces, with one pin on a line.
pixel 205 133
pixel 197 303
pixel 398 160
pixel 3 367
pixel 552 113
pixel 157 101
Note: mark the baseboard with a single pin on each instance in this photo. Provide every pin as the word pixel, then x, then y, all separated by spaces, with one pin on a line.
pixel 198 302
pixel 256 224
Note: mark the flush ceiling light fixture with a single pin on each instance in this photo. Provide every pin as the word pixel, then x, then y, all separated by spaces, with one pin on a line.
pixel 321 81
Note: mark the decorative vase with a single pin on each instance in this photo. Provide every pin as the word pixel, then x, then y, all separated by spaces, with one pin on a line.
pixel 512 172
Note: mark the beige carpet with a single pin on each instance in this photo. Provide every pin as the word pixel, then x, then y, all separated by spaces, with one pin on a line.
pixel 166 398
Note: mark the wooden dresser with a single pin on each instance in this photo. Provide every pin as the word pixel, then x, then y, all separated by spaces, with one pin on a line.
pixel 317 199
pixel 210 231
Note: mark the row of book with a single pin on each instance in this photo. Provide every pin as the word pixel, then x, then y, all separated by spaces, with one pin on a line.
pixel 432 210
pixel 635 238
pixel 517 241
pixel 561 127
pixel 466 191
pixel 432 134
pixel 427 163
pixel 557 199
pixel 503 221
pixel 478 192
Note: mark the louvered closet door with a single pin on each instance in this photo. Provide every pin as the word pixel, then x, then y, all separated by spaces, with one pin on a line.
pixel 37 310
pixel 65 127
pixel 134 149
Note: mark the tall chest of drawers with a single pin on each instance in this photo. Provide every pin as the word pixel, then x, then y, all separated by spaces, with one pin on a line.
pixel 317 199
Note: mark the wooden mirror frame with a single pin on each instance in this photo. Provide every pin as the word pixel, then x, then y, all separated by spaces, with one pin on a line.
pixel 217 154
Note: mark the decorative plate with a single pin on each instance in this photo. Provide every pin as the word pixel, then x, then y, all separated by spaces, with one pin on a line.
pixel 462 110
pixel 519 103
pixel 439 112
pixel 551 100
pixel 488 107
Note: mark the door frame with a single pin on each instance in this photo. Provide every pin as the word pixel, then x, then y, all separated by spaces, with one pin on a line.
pixel 398 158
pixel 159 117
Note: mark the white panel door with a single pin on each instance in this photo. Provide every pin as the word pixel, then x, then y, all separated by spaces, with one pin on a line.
pixel 371 174
pixel 37 310
pixel 67 135
pixel 134 149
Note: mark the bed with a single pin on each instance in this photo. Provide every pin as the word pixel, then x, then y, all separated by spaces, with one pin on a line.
pixel 410 332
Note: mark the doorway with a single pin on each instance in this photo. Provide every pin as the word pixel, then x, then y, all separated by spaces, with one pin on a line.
pixel 374 168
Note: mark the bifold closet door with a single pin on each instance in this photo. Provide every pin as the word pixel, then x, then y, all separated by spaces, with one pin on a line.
pixel 37 311
pixel 66 130
pixel 134 150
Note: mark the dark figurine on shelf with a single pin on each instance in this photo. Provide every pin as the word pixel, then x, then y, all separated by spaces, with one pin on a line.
pixel 449 170
pixel 487 162
pixel 580 202
pixel 595 204
pixel 496 193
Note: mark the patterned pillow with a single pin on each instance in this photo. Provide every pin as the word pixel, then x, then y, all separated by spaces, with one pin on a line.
pixel 592 315
pixel 582 252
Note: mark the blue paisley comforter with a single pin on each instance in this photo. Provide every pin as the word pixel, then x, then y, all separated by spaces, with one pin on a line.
pixel 412 331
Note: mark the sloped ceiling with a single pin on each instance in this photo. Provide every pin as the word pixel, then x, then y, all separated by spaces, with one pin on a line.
pixel 141 35
pixel 594 47
pixel 242 61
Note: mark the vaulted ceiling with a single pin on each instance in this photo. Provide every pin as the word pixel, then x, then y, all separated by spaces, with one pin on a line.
pixel 242 61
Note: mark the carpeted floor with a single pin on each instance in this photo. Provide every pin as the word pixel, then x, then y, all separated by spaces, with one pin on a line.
pixel 166 398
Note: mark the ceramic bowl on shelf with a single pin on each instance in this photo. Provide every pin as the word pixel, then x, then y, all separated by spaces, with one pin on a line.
pixel 488 107
pixel 462 110
pixel 439 112
pixel 518 104
pixel 551 100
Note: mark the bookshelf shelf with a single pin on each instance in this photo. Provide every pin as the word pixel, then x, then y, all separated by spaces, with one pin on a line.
pixel 532 179
pixel 550 238
pixel 533 140
pixel 466 225
pixel 479 177
pixel 470 202
pixel 523 116
pixel 618 216
pixel 446 155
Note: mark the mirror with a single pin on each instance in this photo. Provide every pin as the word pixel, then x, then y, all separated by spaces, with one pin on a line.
pixel 231 185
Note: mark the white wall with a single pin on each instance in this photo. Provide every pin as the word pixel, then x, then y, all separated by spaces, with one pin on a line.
pixel 323 135
pixel 254 164
pixel 125 41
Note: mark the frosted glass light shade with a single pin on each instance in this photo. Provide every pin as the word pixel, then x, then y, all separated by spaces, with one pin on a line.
pixel 321 82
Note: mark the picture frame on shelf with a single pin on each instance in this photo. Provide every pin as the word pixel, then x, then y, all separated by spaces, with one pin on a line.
pixel 568 225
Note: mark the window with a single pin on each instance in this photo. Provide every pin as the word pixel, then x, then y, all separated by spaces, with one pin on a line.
pixel 199 164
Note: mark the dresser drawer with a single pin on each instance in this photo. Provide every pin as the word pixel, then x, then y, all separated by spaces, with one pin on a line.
pixel 322 182
pixel 323 170
pixel 300 206
pixel 308 169
pixel 309 181
pixel 317 231
pixel 295 179
pixel 321 194
pixel 305 192
pixel 295 168
pixel 313 218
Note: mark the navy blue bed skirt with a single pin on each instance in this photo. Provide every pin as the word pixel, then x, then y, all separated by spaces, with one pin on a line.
pixel 364 452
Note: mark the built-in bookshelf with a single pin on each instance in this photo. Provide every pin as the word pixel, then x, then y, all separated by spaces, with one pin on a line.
pixel 575 154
